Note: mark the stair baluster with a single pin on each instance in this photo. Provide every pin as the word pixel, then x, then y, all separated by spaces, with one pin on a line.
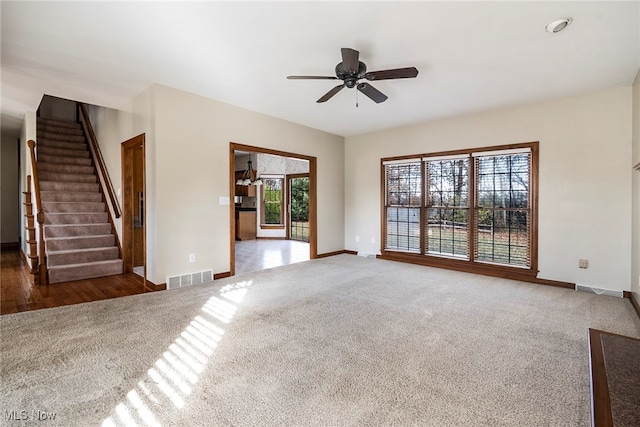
pixel 42 261
pixel 32 241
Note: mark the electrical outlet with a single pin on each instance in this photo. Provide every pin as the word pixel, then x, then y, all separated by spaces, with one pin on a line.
pixel 357 238
pixel 583 263
pixel 192 257
pixel 373 240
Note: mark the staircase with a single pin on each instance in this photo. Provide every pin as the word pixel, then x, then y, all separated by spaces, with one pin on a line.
pixel 80 243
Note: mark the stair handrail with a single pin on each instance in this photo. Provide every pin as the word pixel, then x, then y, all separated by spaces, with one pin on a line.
pixel 42 263
pixel 97 158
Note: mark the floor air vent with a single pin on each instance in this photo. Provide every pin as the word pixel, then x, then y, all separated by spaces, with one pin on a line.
pixel 366 255
pixel 182 280
pixel 599 291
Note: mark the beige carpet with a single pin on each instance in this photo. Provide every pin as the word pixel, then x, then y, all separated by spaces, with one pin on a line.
pixel 337 341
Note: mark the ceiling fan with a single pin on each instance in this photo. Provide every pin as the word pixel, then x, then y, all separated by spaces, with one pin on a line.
pixel 351 70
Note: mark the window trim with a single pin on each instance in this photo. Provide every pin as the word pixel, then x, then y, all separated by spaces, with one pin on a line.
pixel 480 267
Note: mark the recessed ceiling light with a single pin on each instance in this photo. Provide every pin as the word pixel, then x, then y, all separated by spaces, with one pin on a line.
pixel 558 25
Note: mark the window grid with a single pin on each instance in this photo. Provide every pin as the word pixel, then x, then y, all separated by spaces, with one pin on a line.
pixel 403 184
pixel 403 194
pixel 502 212
pixel 447 207
pixel 403 229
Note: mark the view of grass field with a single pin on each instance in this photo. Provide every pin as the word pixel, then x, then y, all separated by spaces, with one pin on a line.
pixel 499 246
pixel 300 230
pixel 447 241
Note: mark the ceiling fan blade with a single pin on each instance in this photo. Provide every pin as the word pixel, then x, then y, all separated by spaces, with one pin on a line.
pixel 312 78
pixel 372 92
pixel 350 60
pixel 327 96
pixel 396 73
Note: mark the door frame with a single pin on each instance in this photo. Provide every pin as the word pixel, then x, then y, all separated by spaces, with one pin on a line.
pixel 313 220
pixel 128 200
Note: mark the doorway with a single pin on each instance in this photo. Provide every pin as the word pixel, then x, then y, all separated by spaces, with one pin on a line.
pixel 298 207
pixel 311 172
pixel 134 208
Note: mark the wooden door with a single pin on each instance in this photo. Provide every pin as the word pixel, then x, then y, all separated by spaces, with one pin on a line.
pixel 134 207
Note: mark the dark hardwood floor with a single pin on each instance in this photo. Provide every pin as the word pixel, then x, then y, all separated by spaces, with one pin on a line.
pixel 18 292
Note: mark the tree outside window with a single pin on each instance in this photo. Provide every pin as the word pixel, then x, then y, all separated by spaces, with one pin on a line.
pixel 272 201
pixel 476 207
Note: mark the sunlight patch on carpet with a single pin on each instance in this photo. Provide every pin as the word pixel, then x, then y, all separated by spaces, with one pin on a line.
pixel 170 379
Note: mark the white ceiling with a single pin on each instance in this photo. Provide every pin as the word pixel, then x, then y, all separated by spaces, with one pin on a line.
pixel 471 56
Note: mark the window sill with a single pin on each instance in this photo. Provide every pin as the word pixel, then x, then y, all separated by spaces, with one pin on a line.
pixel 507 272
pixel 271 227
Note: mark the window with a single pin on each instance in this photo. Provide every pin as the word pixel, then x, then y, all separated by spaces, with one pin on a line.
pixel 447 207
pixel 471 207
pixel 502 209
pixel 272 202
pixel 404 188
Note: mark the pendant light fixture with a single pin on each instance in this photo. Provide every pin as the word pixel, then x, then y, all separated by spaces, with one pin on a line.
pixel 249 176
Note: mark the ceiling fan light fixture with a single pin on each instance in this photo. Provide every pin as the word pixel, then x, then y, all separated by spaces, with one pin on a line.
pixel 558 25
pixel 351 70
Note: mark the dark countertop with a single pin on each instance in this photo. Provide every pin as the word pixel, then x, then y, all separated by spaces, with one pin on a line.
pixel 241 209
pixel 615 379
pixel 622 364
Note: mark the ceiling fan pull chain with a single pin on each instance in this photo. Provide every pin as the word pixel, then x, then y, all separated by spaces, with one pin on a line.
pixel 356 99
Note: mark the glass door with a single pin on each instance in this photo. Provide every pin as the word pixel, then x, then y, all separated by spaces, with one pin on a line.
pixel 298 224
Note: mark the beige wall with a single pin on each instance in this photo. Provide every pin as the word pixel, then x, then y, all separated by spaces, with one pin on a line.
pixel 582 214
pixel 112 128
pixel 192 162
pixel 635 264
pixel 585 179
pixel 187 161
